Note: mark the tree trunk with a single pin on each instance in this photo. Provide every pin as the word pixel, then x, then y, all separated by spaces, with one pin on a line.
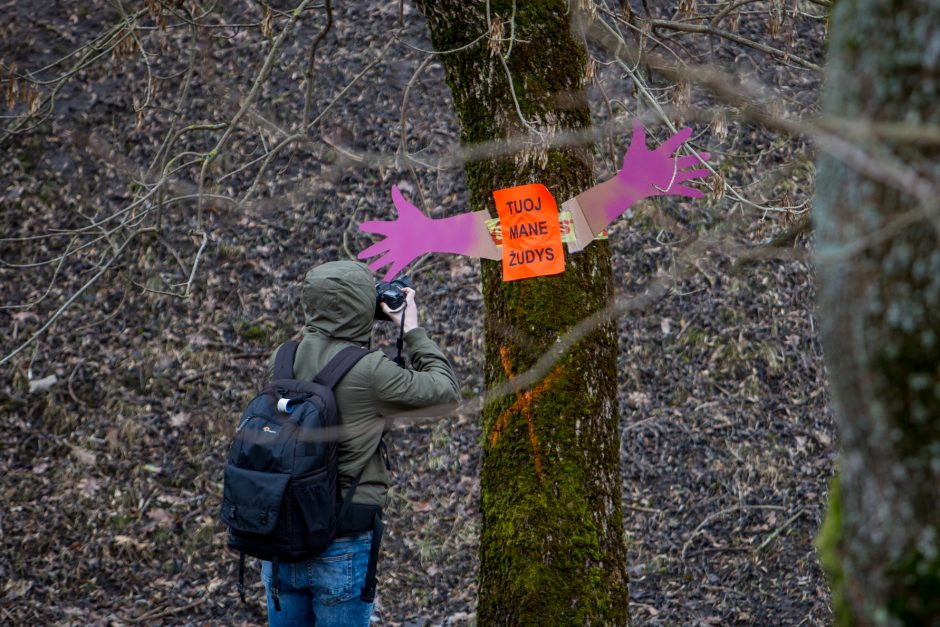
pixel 880 314
pixel 552 545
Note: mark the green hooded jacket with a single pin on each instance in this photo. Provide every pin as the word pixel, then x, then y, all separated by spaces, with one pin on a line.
pixel 339 305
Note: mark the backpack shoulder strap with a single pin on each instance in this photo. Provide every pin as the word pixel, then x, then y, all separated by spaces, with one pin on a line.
pixel 337 368
pixel 284 360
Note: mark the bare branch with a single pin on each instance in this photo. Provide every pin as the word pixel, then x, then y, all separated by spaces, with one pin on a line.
pixel 379 57
pixel 403 131
pixel 171 135
pixel 75 295
pixel 95 50
pixel 732 5
pixel 786 57
pixel 881 168
pixel 249 98
pixel 308 99
pixel 290 139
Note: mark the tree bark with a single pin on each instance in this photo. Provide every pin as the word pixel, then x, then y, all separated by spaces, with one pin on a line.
pixel 880 324
pixel 552 545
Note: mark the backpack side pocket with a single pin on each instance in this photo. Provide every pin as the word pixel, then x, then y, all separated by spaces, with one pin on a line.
pixel 312 501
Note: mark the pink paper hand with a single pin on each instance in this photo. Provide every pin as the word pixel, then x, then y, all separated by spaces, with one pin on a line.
pixel 645 173
pixel 414 234
pixel 404 238
pixel 654 172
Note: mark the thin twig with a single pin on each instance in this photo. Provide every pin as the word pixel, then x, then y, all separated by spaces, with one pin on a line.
pixel 731 6
pixel 708 519
pixel 170 136
pixel 249 100
pixel 403 130
pixel 75 296
pixel 192 275
pixel 290 139
pixel 780 529
pixel 379 57
pixel 512 88
pixel 308 98
pixel 156 614
pixel 55 274
pixel 786 57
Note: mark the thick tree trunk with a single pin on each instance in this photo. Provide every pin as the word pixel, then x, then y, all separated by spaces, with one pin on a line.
pixel 880 313
pixel 552 546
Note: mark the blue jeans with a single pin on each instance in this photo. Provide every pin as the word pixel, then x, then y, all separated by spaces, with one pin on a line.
pixel 327 586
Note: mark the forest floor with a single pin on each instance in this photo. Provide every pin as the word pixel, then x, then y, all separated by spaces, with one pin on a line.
pixel 110 474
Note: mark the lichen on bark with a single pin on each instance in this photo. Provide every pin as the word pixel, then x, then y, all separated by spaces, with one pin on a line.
pixel 829 545
pixel 552 545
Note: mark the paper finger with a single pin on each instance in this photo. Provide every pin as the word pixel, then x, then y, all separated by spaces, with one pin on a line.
pixel 380 263
pixel 401 203
pixel 375 249
pixel 686 161
pixel 394 270
pixel 682 190
pixel 639 133
pixel 687 175
pixel 382 227
pixel 669 146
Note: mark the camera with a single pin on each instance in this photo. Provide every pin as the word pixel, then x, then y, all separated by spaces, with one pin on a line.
pixel 392 294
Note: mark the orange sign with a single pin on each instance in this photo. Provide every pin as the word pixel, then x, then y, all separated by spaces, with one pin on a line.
pixel 531 233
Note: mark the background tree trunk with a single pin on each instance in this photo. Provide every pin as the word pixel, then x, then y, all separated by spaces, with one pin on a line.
pixel 552 545
pixel 880 312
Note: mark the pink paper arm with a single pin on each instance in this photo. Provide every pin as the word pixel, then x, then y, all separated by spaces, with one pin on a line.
pixel 645 173
pixel 414 234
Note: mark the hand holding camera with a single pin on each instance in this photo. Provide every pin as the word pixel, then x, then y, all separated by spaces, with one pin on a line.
pixel 409 310
pixel 394 300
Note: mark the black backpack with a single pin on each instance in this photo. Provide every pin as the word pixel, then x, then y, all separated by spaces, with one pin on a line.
pixel 280 498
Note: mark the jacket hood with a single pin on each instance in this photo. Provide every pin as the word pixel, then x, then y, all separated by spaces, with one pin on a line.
pixel 339 301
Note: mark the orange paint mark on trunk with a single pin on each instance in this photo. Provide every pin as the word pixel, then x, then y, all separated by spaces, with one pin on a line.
pixel 523 404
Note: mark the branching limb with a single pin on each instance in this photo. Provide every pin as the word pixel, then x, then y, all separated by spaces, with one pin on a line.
pixel 55 316
pixel 49 287
pixel 249 99
pixel 171 134
pixel 786 57
pixel 403 130
pixel 295 137
pixel 40 111
pixel 308 98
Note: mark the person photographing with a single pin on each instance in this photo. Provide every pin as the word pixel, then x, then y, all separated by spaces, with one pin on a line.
pixel 335 585
pixel 339 301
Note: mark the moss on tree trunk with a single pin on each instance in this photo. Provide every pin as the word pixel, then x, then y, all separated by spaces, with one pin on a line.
pixel 880 314
pixel 552 546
